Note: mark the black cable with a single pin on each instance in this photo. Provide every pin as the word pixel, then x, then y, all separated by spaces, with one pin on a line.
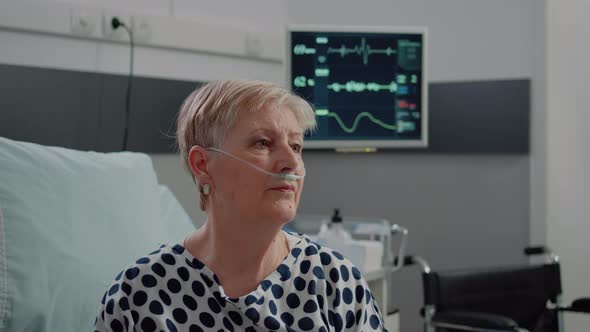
pixel 116 23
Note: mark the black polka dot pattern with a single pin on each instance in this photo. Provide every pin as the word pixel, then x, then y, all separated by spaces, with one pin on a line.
pixel 313 289
pixel 164 297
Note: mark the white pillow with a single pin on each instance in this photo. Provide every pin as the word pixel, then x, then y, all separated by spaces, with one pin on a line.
pixel 71 221
pixel 177 222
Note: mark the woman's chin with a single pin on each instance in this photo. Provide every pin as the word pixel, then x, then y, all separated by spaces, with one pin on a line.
pixel 283 213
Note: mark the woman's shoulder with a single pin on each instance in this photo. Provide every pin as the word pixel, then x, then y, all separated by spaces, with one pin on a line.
pixel 169 261
pixel 326 274
pixel 323 262
pixel 153 262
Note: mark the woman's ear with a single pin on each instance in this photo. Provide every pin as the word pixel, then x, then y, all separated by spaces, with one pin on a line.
pixel 197 160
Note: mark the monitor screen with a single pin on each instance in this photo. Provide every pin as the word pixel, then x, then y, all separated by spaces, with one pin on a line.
pixel 368 84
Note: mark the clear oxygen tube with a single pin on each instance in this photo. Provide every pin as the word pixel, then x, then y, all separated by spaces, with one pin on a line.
pixel 284 176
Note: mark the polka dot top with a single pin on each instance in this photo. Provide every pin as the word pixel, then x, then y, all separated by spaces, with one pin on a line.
pixel 313 289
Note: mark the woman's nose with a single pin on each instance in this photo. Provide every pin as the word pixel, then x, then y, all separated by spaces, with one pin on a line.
pixel 288 160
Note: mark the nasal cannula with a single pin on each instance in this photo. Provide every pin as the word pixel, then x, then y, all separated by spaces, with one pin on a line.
pixel 284 176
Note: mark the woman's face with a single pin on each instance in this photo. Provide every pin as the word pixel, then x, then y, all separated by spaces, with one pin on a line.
pixel 271 139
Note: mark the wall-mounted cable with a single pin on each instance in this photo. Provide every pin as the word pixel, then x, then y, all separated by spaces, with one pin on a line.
pixel 116 23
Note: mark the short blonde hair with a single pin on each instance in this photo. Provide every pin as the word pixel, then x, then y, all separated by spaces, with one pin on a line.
pixel 209 112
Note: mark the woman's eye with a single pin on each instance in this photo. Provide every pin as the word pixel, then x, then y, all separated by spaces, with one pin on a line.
pixel 262 143
pixel 297 147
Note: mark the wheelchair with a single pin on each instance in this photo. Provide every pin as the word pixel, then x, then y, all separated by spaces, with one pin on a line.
pixel 504 299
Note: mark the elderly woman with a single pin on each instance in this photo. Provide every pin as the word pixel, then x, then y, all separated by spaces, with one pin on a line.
pixel 242 142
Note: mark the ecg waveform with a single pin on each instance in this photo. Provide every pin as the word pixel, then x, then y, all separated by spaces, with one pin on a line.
pixel 364 50
pixel 353 86
pixel 355 123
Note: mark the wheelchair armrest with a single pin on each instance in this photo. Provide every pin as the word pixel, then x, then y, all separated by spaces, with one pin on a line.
pixel 579 305
pixel 408 260
pixel 473 321
pixel 536 250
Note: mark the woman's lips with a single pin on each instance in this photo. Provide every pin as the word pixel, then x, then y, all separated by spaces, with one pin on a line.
pixel 284 188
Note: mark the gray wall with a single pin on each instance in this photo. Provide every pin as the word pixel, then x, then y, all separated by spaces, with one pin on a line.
pixel 538 219
pixel 567 152
pixel 462 210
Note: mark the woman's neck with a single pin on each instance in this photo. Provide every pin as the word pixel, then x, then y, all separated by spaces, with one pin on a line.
pixel 241 253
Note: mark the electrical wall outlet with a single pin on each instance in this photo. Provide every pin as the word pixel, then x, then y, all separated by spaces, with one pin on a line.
pixel 107 28
pixel 83 22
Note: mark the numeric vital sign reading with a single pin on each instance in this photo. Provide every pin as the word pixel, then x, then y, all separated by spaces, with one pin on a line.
pixel 368 86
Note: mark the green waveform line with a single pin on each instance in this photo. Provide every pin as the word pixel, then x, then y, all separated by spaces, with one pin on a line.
pixel 353 86
pixel 325 112
pixel 364 50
